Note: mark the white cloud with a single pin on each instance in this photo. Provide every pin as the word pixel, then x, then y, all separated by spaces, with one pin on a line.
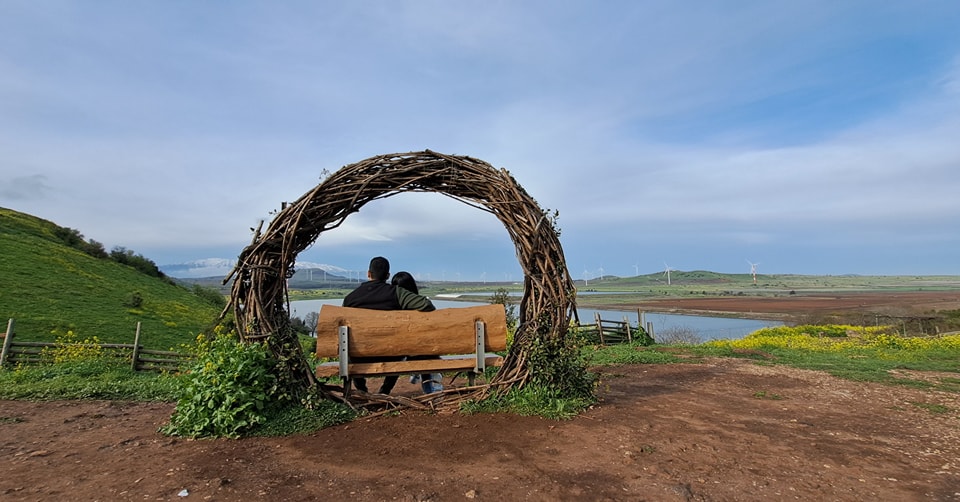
pixel 749 123
pixel 31 187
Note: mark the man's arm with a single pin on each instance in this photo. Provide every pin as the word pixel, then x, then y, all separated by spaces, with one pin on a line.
pixel 412 301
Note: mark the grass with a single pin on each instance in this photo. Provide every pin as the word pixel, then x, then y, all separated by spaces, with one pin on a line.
pixel 762 394
pixel 87 379
pixel 872 357
pixel 105 377
pixel 531 400
pixel 936 409
pixel 51 288
pixel 292 419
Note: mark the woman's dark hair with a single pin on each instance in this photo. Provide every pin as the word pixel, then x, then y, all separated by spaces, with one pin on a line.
pixel 405 281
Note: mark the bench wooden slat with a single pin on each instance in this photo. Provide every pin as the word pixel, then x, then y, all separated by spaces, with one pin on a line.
pixel 377 333
pixel 463 363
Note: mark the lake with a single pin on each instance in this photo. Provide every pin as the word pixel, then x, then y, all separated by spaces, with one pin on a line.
pixel 705 327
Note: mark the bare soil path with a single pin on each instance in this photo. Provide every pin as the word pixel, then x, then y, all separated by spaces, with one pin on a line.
pixel 718 429
pixel 714 430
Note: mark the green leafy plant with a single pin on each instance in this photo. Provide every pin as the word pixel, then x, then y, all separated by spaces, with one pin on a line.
pixel 558 364
pixel 227 391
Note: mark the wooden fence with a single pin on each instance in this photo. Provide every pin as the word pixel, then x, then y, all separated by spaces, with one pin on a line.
pixel 608 332
pixel 16 352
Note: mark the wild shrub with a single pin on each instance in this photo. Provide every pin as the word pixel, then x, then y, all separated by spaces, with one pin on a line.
pixel 557 366
pixel 69 349
pixel 134 301
pixel 227 391
pixel 679 335
pixel 641 337
pixel 213 296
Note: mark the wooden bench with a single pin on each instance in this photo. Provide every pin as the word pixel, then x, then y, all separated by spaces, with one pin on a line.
pixel 453 339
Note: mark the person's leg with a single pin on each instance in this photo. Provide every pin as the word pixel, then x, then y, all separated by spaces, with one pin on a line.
pixel 388 383
pixel 360 383
pixel 431 382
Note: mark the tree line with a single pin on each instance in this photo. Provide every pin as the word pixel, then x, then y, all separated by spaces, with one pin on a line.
pixel 73 238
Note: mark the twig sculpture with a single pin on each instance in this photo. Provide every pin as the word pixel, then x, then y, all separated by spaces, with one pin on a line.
pixel 259 296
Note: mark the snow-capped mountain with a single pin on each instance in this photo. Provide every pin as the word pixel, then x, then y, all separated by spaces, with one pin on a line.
pixel 206 267
pixel 220 267
pixel 333 269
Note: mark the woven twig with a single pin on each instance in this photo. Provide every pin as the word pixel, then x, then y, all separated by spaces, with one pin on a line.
pixel 259 296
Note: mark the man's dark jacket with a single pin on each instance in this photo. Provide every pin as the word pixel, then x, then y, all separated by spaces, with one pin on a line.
pixel 378 295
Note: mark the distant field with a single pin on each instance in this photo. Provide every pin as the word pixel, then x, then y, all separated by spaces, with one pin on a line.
pixel 686 284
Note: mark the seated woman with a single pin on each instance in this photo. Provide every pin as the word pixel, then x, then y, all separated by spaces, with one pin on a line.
pixel 429 382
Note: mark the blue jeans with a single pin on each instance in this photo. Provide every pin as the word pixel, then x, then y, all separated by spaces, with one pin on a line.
pixel 431 383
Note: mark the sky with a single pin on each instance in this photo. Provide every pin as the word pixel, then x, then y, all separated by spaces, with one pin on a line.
pixel 805 137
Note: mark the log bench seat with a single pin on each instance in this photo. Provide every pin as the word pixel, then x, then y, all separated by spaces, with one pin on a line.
pixel 445 340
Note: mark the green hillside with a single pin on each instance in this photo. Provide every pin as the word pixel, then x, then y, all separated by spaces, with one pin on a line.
pixel 50 287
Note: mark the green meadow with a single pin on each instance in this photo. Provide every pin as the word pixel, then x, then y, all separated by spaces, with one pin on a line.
pixel 50 288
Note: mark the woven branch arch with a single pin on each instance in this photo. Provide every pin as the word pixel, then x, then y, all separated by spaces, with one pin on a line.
pixel 259 296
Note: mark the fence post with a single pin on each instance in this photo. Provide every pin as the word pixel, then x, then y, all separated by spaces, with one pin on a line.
pixel 136 348
pixel 596 318
pixel 626 324
pixel 7 339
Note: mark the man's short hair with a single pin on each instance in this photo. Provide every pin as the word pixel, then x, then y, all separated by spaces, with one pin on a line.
pixel 379 269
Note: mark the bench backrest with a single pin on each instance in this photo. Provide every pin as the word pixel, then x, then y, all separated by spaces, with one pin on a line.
pixel 376 333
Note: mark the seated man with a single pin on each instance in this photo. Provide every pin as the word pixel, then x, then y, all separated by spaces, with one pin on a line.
pixel 377 294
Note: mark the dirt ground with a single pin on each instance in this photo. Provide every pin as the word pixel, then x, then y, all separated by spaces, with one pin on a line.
pixel 709 430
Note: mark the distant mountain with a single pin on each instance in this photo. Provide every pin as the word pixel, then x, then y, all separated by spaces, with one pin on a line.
pixel 220 267
pixel 207 267
pixel 333 269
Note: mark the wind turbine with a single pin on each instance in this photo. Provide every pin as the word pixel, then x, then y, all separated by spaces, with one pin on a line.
pixel 753 271
pixel 585 281
pixel 636 269
pixel 666 271
pixel 601 271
